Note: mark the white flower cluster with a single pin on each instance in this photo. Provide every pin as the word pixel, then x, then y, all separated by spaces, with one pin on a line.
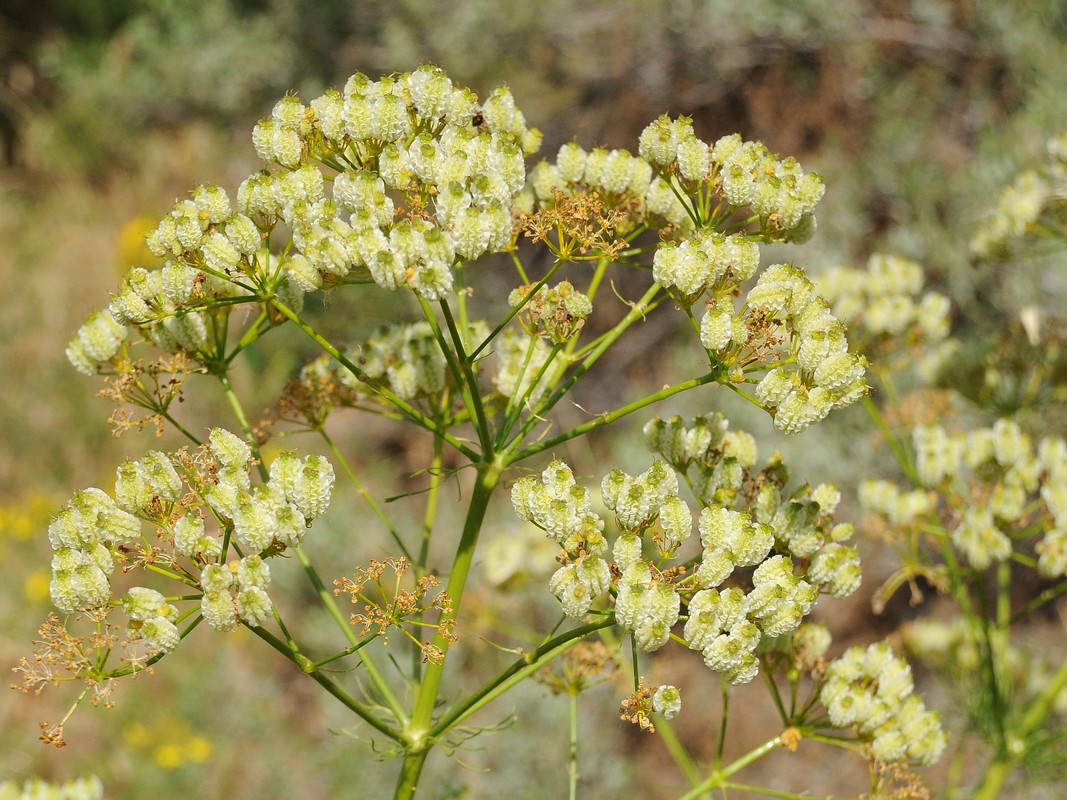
pixel 84 537
pixel 96 343
pixel 205 247
pixel 277 512
pixel 94 531
pixel 872 689
pixel 458 165
pixel 824 375
pixel 35 789
pixel 236 591
pixel 885 301
pixel 776 535
pixel 1020 207
pixel 897 506
pixel 561 508
pixel 152 618
pixel 796 550
pixel 886 298
pixel 1022 491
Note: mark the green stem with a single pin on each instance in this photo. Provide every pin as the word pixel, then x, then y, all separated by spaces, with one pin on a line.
pixel 1009 757
pixel 364 713
pixel 573 766
pixel 417 732
pixel 612 416
pixel 718 778
pixel 517 673
pixel 677 751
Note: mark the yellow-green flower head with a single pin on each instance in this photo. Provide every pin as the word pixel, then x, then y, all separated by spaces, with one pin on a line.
pixel 141 603
pixel 217 578
pixel 937 455
pixel 576 585
pixel 253 605
pixel 159 634
pixel 1018 207
pixel 627 550
pixel 254 524
pixel 713 612
pixel 96 343
pixel 633 586
pixel 656 614
pixel 78 581
pixel 561 508
pixel 218 609
pixel 676 524
pixel 637 501
pixel 667 700
pixel 872 689
pixel 836 569
pixel 230 449
pixel 89 788
pixel 1010 444
pixel 661 201
pixel 979 539
pixel 190 539
pixel 732 654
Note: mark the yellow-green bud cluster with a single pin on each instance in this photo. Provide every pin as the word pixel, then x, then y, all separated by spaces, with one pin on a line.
pixel 872 689
pixel 89 788
pixel 667 700
pixel 561 508
pixel 1018 207
pixel 898 506
pixel 522 358
pixel 885 303
pixel 94 531
pixel 794 547
pixel 405 359
pixel 152 618
pixel 96 343
pixel 415 135
pixel 647 605
pixel 236 592
pixel 708 261
pixel 1022 491
pixel 147 486
pixel 778 190
pixel 84 537
pixel 558 312
pixel 826 375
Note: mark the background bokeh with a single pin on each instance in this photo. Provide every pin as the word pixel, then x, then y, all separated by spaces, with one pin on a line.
pixel 916 113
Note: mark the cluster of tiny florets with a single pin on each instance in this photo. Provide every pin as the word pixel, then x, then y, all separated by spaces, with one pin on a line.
pixel 458 166
pixel 792 544
pixel 995 486
pixel 886 303
pixel 624 182
pixel 557 313
pixel 872 689
pixel 1033 198
pixel 89 788
pixel 821 374
pixel 176 493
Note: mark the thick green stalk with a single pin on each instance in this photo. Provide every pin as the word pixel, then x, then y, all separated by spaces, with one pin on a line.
pixel 417 731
